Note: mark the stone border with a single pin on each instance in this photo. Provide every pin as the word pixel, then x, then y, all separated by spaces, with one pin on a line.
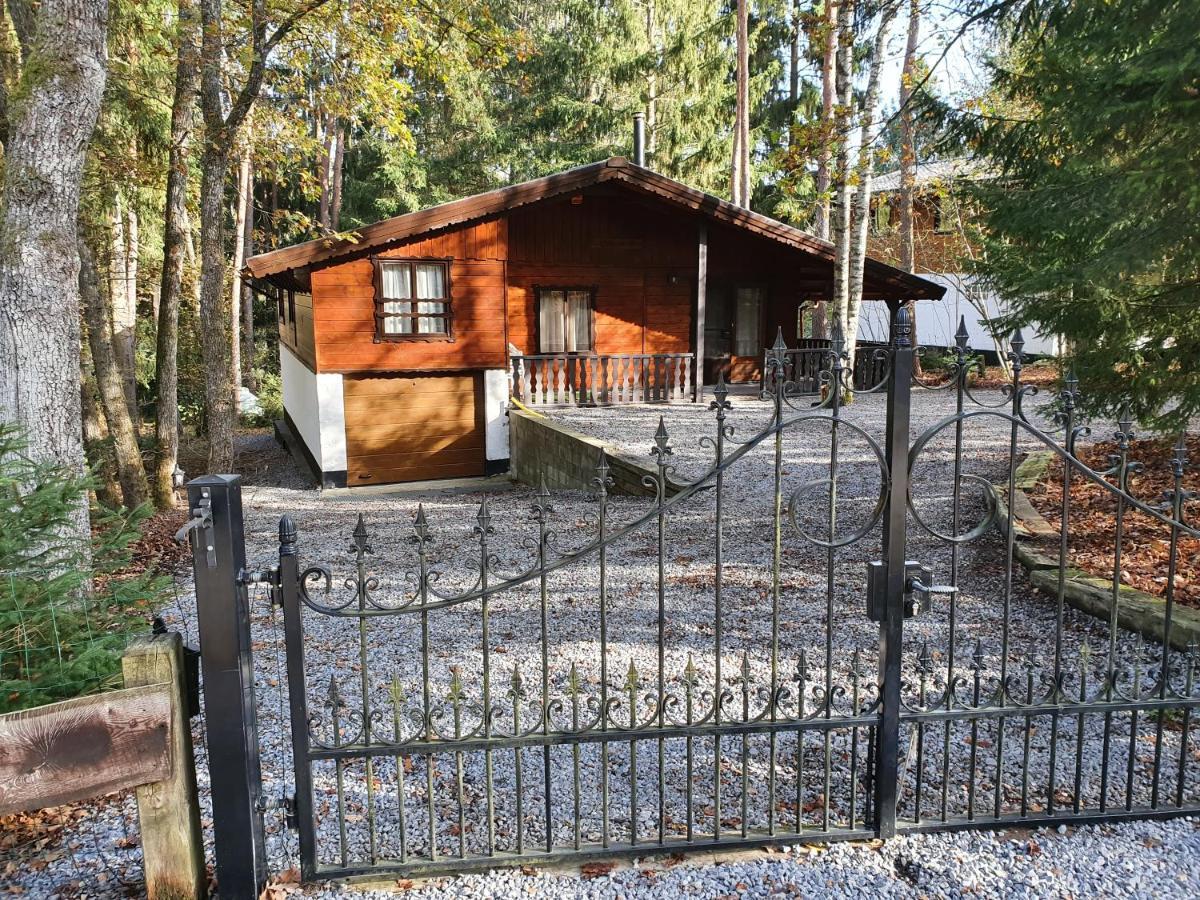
pixel 542 448
pixel 1136 610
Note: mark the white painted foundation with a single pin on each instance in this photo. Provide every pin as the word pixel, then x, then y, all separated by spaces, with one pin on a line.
pixel 315 404
pixel 495 407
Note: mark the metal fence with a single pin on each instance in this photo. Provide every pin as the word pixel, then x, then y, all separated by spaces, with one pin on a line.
pixel 433 746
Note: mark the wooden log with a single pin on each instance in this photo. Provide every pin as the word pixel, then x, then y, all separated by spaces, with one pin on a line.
pixel 168 809
pixel 84 748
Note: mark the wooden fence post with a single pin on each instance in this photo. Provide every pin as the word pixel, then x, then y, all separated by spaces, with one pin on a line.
pixel 168 811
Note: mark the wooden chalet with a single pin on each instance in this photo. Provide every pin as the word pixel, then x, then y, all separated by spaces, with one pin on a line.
pixel 401 346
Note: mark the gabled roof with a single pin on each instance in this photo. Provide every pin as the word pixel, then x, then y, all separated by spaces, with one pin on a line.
pixel 332 249
pixel 938 172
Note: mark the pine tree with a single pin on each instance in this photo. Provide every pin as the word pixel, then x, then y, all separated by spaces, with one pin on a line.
pixel 1093 136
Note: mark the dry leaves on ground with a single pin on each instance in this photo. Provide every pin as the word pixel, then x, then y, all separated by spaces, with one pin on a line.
pixel 1146 542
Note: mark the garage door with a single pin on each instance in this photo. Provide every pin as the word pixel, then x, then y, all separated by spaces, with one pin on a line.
pixel 412 428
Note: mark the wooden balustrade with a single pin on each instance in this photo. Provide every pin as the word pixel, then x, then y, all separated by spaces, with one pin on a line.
pixel 804 364
pixel 603 379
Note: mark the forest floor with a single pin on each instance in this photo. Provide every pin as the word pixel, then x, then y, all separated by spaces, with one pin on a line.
pixel 96 855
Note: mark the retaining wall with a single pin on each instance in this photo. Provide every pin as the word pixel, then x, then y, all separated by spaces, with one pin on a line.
pixel 567 458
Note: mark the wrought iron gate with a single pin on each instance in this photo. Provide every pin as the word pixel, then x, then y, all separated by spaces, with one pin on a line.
pixel 445 741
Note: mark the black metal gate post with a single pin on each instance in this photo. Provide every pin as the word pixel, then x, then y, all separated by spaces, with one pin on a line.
pixel 891 627
pixel 289 587
pixel 218 560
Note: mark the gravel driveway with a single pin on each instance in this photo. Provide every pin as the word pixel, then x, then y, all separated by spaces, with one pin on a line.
pixel 821 612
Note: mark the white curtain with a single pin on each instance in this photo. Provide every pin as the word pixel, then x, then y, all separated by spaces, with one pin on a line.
pixel 551 322
pixel 396 287
pixel 747 329
pixel 579 323
pixel 431 293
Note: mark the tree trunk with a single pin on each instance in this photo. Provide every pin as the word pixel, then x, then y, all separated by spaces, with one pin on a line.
pixel 109 380
pixel 95 434
pixel 323 179
pixel 651 79
pixel 862 176
pixel 124 313
pixel 240 202
pixel 840 177
pixel 248 352
pixel 51 119
pixel 220 132
pixel 214 311
pixel 176 239
pixel 741 127
pixel 908 150
pixel 794 62
pixel 830 30
pixel 339 160
pixel 908 154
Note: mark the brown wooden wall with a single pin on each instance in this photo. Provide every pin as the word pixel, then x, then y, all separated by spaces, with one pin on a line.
pixel 344 310
pixel 639 259
pixel 937 246
pixel 627 251
pixel 299 335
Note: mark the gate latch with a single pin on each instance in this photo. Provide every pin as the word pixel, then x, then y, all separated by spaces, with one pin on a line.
pixel 918 589
pixel 202 519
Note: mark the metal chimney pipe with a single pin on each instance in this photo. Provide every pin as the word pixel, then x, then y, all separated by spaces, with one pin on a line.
pixel 639 139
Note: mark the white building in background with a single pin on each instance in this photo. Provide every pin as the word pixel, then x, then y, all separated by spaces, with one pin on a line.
pixel 940 243
pixel 937 320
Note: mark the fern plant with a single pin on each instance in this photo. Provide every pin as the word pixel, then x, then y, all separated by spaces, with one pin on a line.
pixel 66 609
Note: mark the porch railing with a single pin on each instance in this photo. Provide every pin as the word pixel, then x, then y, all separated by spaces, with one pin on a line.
pixel 803 365
pixel 603 379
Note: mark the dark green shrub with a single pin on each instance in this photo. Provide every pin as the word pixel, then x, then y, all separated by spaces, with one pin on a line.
pixel 63 621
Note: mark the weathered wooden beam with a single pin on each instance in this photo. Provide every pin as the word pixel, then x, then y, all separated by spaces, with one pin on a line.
pixel 168 809
pixel 84 747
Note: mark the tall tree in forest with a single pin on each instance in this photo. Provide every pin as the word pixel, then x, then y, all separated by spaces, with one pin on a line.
pixel 740 176
pixel 828 32
pixel 51 116
pixel 840 208
pixel 97 313
pixel 852 172
pixel 221 127
pixel 868 131
pixel 1089 228
pixel 176 237
pixel 908 145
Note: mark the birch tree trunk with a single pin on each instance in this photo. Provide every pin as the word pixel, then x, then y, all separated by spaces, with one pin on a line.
pixel 908 156
pixel 240 202
pixel 176 242
pixel 51 118
pixel 740 191
pixel 862 177
pixel 110 383
pixel 840 177
pixel 124 314
pixel 248 351
pixel 908 150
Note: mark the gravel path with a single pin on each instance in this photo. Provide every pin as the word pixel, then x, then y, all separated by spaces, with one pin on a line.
pixel 821 612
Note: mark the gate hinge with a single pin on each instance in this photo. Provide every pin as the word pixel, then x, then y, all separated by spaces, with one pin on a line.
pixel 918 580
pixel 287 803
pixel 268 576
